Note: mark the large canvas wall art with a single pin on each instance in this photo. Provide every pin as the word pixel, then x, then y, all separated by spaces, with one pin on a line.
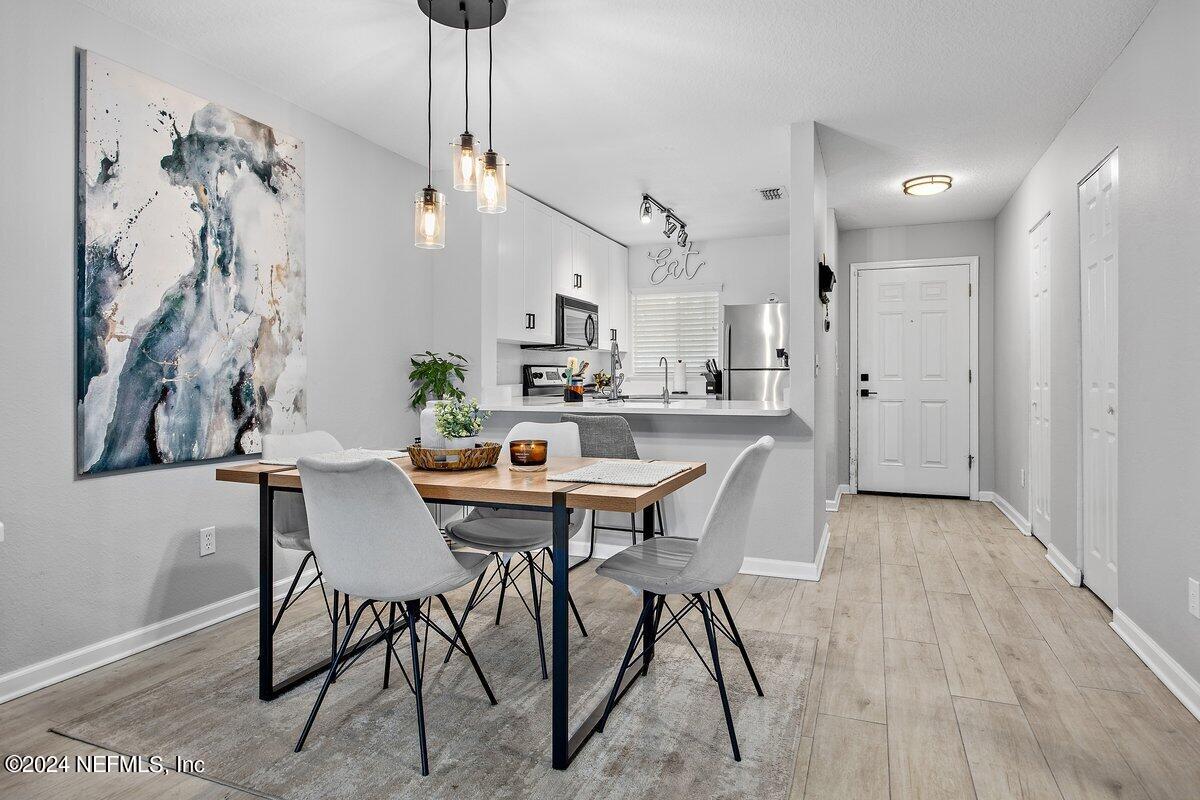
pixel 190 285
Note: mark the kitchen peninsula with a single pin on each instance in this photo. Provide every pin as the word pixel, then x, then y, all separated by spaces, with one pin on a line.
pixel 713 431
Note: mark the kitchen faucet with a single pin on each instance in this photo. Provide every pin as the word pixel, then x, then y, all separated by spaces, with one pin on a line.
pixel 666 395
pixel 615 378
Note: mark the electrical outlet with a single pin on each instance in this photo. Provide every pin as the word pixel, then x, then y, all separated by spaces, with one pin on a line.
pixel 1022 477
pixel 208 541
pixel 1194 597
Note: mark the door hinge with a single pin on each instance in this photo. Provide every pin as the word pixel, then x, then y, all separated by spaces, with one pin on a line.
pixel 970 462
pixel 970 376
pixel 970 290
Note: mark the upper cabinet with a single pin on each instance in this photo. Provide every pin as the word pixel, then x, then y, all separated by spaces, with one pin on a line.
pixel 615 310
pixel 538 253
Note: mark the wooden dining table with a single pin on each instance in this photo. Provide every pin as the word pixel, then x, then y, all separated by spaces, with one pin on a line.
pixel 496 487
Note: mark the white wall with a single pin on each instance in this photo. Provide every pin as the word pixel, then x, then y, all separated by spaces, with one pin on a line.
pixel 751 269
pixel 1146 104
pixel 87 559
pixel 944 240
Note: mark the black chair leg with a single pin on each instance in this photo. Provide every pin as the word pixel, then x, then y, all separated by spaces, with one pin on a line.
pixel 616 690
pixel 503 586
pixel 412 611
pixel 661 517
pixel 737 639
pixel 466 613
pixel 337 615
pixel 287 598
pixel 466 646
pixel 716 659
pixel 591 546
pixel 329 677
pixel 537 612
pixel 387 660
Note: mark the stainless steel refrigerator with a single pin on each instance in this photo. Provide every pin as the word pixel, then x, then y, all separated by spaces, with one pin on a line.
pixel 754 352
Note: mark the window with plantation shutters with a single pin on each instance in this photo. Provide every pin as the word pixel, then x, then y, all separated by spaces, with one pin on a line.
pixel 679 326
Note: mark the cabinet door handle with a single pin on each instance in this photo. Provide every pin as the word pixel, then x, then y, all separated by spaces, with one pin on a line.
pixel 530 321
pixel 578 281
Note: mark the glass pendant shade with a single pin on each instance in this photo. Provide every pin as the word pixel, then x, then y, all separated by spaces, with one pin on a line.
pixel 464 153
pixel 429 219
pixel 491 187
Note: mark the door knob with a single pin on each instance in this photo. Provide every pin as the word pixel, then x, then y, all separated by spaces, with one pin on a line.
pixel 866 393
pixel 1111 411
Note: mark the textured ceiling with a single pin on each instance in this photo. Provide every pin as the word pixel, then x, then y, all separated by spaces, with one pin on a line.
pixel 690 99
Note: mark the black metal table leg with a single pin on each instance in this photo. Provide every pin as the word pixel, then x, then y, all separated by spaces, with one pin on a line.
pixel 650 629
pixel 266 585
pixel 560 696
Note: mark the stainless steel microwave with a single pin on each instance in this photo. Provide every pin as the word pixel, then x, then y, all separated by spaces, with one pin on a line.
pixel 576 325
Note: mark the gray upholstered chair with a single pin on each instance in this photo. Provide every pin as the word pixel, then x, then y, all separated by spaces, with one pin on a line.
pixel 696 569
pixel 377 541
pixel 508 534
pixel 609 436
pixel 290 529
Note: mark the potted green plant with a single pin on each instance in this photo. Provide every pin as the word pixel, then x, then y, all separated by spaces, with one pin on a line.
pixel 435 381
pixel 459 421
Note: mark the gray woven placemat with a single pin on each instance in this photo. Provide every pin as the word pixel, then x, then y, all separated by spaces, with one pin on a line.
pixel 623 473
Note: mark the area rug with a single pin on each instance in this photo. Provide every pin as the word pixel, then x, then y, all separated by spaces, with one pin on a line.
pixel 666 739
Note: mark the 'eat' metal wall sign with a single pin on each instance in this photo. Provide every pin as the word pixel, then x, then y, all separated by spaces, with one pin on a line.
pixel 673 264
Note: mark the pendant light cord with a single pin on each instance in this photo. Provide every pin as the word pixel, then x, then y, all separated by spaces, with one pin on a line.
pixel 429 104
pixel 466 75
pixel 490 24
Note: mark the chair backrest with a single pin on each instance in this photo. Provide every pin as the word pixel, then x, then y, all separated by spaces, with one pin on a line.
pixel 562 438
pixel 294 445
pixel 604 435
pixel 370 529
pixel 722 545
pixel 288 514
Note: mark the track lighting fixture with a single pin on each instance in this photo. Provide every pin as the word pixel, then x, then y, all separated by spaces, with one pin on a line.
pixel 673 226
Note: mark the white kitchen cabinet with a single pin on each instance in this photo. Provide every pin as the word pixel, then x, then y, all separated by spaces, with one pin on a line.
pixel 582 253
pixel 510 271
pixel 563 255
pixel 615 310
pixel 539 253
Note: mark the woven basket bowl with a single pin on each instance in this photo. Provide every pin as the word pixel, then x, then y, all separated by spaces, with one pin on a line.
pixel 485 455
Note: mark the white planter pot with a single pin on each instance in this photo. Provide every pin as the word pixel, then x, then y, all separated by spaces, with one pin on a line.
pixel 464 443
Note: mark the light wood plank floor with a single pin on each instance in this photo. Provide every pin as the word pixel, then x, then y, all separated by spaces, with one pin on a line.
pixel 952 662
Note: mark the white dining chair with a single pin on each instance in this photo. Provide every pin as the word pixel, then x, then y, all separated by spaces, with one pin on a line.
pixel 696 569
pixel 377 541
pixel 290 522
pixel 526 535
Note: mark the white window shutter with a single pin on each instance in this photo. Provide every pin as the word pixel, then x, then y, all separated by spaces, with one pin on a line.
pixel 679 326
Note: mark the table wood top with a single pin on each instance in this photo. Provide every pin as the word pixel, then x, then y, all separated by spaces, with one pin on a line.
pixel 498 484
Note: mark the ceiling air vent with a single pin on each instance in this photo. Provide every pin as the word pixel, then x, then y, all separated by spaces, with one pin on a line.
pixel 773 193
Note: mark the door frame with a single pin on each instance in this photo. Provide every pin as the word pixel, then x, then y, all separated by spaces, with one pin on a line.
pixel 1045 540
pixel 969 261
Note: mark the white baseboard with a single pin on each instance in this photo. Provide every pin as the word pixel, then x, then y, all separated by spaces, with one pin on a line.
pixel 1182 684
pixel 1064 565
pixel 53 670
pixel 770 567
pixel 836 502
pixel 1006 508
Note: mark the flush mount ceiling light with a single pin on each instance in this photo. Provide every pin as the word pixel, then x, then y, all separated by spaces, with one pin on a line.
pixel 429 211
pixel 927 184
pixel 671 224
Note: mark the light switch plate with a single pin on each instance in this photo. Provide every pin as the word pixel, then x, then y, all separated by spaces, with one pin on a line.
pixel 208 541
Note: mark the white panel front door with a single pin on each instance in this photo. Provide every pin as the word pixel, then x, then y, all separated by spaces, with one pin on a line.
pixel 1039 381
pixel 1098 294
pixel 914 337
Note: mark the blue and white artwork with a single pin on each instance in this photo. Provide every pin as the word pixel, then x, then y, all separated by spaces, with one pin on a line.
pixel 190 285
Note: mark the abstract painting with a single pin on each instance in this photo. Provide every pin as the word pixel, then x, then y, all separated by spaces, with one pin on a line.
pixel 190 284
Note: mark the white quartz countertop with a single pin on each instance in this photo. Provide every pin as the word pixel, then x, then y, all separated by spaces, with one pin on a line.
pixel 680 406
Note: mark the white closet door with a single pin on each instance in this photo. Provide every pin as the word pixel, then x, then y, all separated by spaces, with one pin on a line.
pixel 1039 380
pixel 1098 295
pixel 914 357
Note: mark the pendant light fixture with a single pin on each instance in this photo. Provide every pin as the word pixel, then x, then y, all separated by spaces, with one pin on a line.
pixel 464 151
pixel 429 210
pixel 491 183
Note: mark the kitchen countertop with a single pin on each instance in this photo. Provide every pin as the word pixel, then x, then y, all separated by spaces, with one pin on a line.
pixel 680 406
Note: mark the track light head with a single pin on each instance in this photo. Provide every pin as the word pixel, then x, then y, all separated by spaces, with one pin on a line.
pixel 683 237
pixel 647 210
pixel 670 227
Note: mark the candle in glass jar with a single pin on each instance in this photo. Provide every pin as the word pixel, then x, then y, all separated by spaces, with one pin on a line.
pixel 527 452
